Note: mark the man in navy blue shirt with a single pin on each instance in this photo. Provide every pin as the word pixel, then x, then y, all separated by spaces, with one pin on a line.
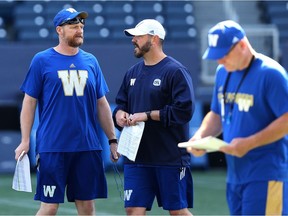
pixel 159 92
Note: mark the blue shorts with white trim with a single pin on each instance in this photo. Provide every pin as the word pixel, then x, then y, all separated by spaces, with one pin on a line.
pixel 172 186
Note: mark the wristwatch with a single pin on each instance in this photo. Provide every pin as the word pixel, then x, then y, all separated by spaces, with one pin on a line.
pixel 110 141
pixel 148 115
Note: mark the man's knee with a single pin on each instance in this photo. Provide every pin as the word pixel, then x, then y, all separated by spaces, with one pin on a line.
pixel 85 207
pixel 48 209
pixel 135 211
pixel 183 212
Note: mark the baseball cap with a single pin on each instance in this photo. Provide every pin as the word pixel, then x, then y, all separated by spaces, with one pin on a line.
pixel 68 14
pixel 221 38
pixel 147 26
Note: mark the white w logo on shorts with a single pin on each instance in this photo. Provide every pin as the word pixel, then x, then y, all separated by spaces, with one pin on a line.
pixel 127 194
pixel 73 80
pixel 49 190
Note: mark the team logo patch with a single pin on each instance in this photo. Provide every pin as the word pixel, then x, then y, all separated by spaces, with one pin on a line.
pixel 132 81
pixel 157 82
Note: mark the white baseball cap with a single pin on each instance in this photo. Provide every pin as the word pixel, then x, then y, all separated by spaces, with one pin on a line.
pixel 147 26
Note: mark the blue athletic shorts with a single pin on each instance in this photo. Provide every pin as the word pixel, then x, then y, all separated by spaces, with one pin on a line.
pixel 80 173
pixel 258 198
pixel 172 186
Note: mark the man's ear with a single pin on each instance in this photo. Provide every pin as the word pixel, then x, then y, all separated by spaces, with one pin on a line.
pixel 242 43
pixel 59 30
pixel 156 39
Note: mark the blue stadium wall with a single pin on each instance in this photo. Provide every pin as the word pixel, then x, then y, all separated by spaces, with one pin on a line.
pixel 114 59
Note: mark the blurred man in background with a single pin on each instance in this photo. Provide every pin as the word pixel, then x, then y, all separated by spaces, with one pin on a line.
pixel 250 107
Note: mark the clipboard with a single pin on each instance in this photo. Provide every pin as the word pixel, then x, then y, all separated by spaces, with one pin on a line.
pixel 210 144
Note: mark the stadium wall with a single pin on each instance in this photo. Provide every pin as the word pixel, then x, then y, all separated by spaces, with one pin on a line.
pixel 114 60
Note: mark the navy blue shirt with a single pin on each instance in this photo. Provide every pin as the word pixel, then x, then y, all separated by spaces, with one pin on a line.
pixel 166 86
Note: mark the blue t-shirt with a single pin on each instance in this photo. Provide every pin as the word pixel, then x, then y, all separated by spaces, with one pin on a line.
pixel 67 89
pixel 166 86
pixel 261 99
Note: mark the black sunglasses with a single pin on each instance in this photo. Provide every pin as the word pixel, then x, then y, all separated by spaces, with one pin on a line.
pixel 76 20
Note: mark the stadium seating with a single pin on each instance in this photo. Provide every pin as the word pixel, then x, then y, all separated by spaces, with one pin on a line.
pixel 5 20
pixel 33 20
pixel 3 31
pixel 276 12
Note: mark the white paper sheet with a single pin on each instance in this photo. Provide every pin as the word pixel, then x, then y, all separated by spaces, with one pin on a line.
pixel 22 175
pixel 129 140
pixel 210 144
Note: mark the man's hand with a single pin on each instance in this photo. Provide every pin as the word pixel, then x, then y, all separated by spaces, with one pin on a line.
pixel 137 117
pixel 122 118
pixel 196 152
pixel 22 147
pixel 114 155
pixel 238 147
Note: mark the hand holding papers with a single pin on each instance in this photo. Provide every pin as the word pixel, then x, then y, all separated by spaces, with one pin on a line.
pixel 210 144
pixel 22 178
pixel 129 140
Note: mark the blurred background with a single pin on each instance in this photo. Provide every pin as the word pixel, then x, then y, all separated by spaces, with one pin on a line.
pixel 26 27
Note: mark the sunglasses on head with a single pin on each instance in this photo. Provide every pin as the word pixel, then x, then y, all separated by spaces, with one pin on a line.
pixel 76 20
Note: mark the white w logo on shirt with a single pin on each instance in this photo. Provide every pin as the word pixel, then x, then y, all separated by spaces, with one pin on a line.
pixel 73 80
pixel 49 190
pixel 244 104
pixel 244 101
pixel 132 82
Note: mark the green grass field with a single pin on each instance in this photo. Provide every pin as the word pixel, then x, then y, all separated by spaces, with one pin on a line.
pixel 209 197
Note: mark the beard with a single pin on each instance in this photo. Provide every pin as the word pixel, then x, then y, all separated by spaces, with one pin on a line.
pixel 142 50
pixel 75 41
